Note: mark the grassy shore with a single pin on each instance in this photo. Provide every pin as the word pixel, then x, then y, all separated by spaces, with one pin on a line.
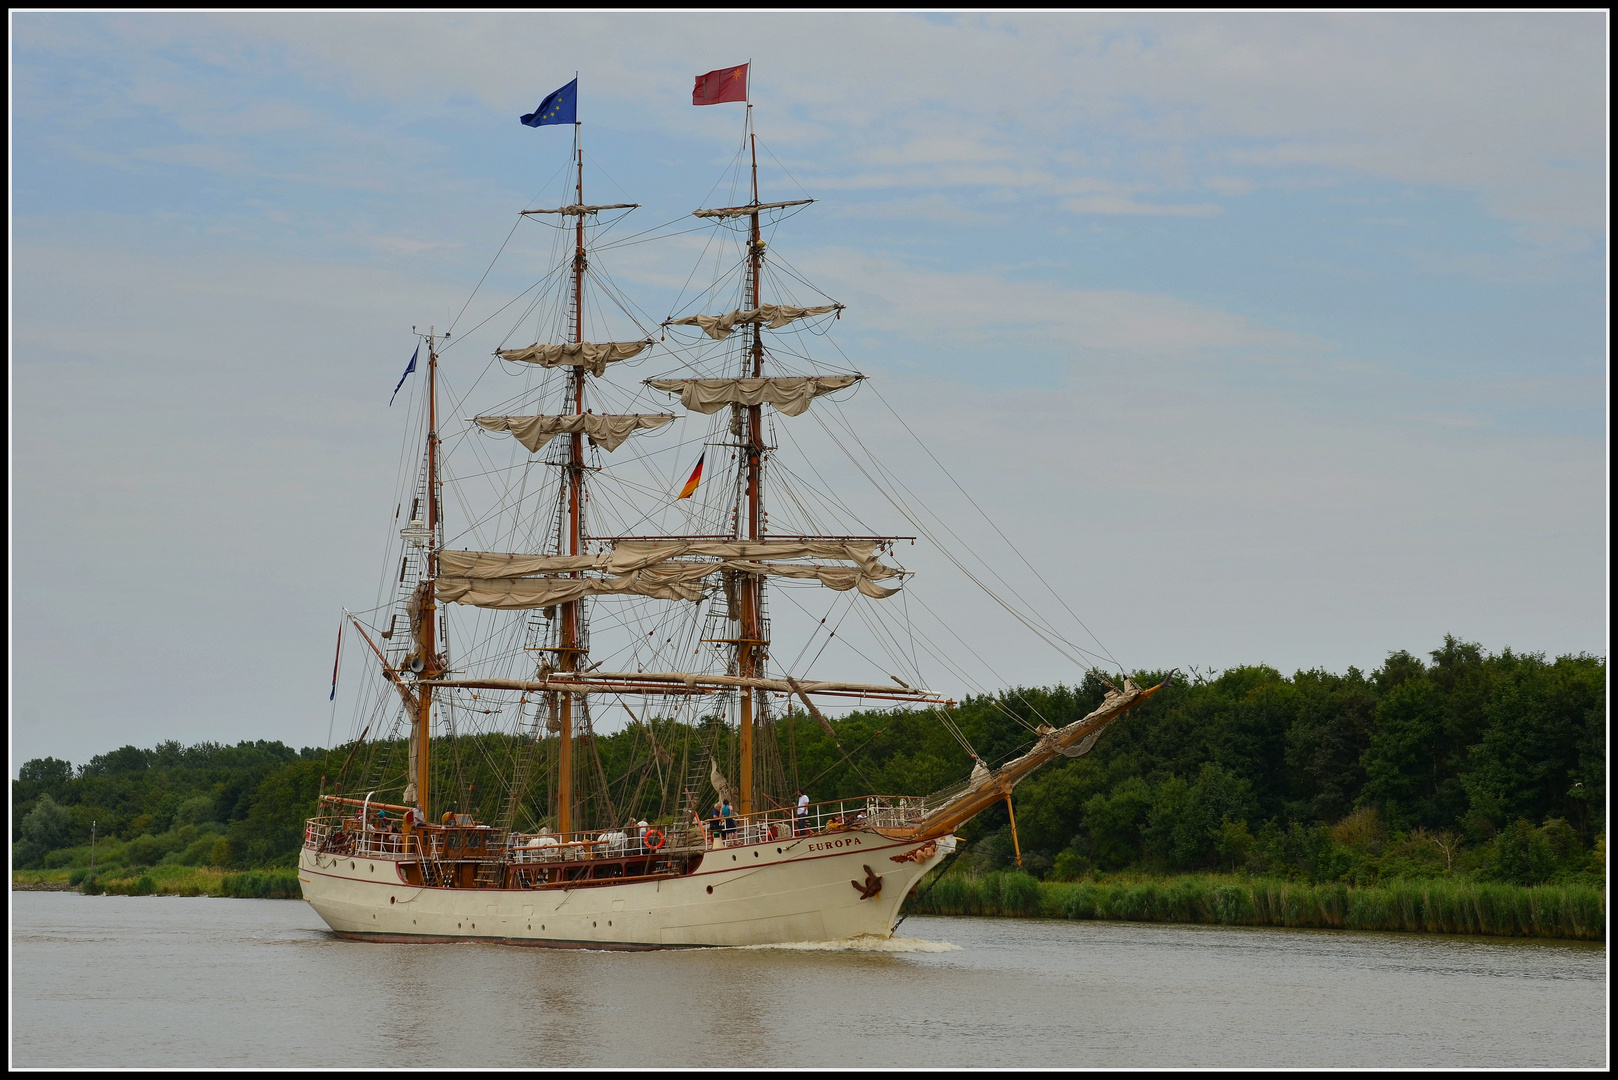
pixel 164 881
pixel 1437 906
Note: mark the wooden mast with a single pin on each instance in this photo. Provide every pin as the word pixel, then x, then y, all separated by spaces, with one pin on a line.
pixel 431 669
pixel 749 648
pixel 569 653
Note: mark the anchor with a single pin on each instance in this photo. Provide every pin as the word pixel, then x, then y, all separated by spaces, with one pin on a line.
pixel 872 886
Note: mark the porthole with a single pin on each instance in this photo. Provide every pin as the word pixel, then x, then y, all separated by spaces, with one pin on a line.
pixel 710 888
pixel 755 854
pixel 592 925
pixel 457 926
pixel 373 867
pixel 351 866
pixel 542 926
pixel 733 858
pixel 474 926
pixel 609 922
pixel 412 922
pixel 530 926
pixel 778 851
pixel 393 899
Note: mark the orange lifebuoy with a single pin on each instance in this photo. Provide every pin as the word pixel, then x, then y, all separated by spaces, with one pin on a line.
pixel 653 839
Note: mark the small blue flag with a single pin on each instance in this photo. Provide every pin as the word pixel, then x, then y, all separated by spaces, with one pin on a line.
pixel 406 375
pixel 562 107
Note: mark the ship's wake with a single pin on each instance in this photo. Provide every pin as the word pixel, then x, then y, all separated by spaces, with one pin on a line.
pixel 865 943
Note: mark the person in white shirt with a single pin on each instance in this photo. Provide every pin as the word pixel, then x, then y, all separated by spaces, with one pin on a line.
pixel 803 814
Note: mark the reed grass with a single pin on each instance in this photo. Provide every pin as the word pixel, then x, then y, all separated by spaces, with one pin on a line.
pixel 1436 906
pixel 263 885
pixel 167 881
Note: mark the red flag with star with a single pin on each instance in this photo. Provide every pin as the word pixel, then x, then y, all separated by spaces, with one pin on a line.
pixel 726 84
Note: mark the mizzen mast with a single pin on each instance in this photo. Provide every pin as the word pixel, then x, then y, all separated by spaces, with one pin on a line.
pixel 431 667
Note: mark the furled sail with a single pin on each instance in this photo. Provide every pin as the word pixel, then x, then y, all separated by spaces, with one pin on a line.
pixel 790 395
pixel 771 315
pixel 592 356
pixel 604 429
pixel 752 208
pixel 663 569
pixel 410 797
pixel 629 556
pixel 515 593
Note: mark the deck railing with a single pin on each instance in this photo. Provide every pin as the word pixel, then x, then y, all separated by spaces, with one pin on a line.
pixel 351 837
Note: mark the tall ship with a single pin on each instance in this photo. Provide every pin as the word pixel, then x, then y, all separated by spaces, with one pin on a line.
pixel 550 573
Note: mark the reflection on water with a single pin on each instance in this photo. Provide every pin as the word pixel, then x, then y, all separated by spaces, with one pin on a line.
pixel 170 981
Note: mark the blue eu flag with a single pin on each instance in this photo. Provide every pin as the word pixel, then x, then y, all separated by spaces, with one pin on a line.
pixel 561 107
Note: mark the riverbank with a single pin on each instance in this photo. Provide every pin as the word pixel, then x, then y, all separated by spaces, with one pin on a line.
pixel 1435 906
pixel 273 884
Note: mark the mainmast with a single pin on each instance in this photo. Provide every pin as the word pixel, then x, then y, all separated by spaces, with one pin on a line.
pixel 568 656
pixel 750 646
pixel 431 666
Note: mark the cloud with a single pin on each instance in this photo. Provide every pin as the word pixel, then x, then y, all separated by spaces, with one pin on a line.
pixel 932 207
pixel 1499 104
pixel 1508 106
pixel 984 307
pixel 1115 204
pixel 1229 185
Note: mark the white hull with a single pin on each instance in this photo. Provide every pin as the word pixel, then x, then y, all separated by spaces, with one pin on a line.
pixel 770 893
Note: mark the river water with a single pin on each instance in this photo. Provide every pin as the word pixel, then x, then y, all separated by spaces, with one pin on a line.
pixel 173 981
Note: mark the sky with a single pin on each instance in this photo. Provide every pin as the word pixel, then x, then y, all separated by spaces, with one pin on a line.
pixel 1270 339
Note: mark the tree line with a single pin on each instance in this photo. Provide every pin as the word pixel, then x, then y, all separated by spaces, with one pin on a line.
pixel 1469 763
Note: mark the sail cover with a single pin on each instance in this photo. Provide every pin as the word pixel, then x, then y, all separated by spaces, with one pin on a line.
pixel 604 429
pixel 591 356
pixel 663 569
pixel 790 395
pixel 771 315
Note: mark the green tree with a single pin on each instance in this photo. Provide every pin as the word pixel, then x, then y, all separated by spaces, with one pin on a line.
pixel 1185 829
pixel 46 828
pixel 1542 752
pixel 1327 740
pixel 1114 822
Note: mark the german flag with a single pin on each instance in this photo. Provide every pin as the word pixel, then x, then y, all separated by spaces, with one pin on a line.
pixel 690 488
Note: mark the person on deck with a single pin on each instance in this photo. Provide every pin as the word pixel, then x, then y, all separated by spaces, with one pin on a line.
pixel 801 826
pixel 716 824
pixel 728 820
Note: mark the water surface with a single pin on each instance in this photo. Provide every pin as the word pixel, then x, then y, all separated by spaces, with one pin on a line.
pixel 174 981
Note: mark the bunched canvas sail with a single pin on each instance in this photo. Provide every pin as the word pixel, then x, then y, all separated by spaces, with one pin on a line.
pixel 604 430
pixel 773 316
pixel 666 569
pixel 790 395
pixel 588 355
